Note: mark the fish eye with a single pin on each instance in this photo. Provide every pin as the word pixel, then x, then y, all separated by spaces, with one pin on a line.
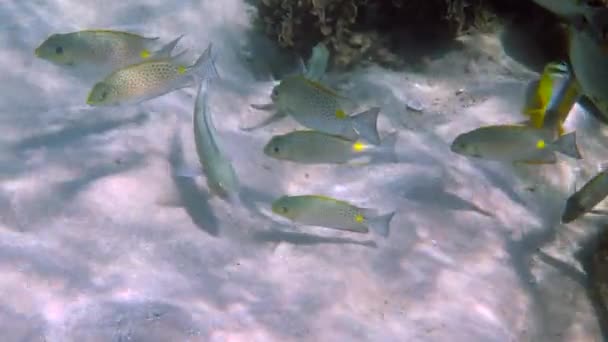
pixel 275 92
pixel 59 50
pixel 284 209
pixel 276 149
pixel 104 94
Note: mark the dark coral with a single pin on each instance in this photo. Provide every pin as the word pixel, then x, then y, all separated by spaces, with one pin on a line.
pixel 360 30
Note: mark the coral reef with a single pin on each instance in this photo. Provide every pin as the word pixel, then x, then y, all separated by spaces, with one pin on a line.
pixel 360 30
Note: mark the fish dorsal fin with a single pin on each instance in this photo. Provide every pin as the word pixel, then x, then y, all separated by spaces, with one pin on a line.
pixel 323 197
pixel 129 34
pixel 323 88
pixel 182 68
pixel 329 199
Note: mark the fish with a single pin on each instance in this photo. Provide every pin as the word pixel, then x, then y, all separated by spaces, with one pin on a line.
pixel 323 211
pixel 538 96
pixel 319 108
pixel 146 80
pixel 313 147
pixel 584 200
pixel 222 178
pixel 314 70
pixel 515 144
pixel 105 48
pixel 565 8
pixel 589 61
pixel 594 21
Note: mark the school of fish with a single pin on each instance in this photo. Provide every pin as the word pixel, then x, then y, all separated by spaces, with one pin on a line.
pixel 139 68
pixel 549 100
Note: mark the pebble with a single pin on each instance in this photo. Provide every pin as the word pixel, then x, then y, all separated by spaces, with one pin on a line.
pixel 414 105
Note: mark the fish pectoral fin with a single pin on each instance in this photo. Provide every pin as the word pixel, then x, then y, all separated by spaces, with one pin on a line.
pixel 359 163
pixel 267 121
pixel 265 106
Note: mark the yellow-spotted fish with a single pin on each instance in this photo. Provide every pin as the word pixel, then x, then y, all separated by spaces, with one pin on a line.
pixel 150 79
pixel 322 211
pixel 109 48
pixel 585 199
pixel 540 93
pixel 313 147
pixel 515 144
pixel 222 179
pixel 317 107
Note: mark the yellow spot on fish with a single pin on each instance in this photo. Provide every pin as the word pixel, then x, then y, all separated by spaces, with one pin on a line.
pixel 340 114
pixel 359 218
pixel 540 144
pixel 181 69
pixel 145 54
pixel 359 146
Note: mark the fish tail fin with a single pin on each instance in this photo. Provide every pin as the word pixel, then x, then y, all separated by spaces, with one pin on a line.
pixel 381 224
pixel 365 124
pixel 566 144
pixel 166 50
pixel 204 68
pixel 387 149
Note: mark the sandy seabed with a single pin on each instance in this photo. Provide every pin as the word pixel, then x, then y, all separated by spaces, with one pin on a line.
pixel 100 241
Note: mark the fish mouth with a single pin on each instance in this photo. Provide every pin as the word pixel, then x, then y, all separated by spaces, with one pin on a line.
pixel 266 150
pixel 37 52
pixel 572 211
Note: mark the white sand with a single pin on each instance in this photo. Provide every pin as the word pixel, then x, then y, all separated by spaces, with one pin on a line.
pixel 100 243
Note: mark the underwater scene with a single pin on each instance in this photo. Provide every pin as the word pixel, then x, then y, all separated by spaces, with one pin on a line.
pixel 304 170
